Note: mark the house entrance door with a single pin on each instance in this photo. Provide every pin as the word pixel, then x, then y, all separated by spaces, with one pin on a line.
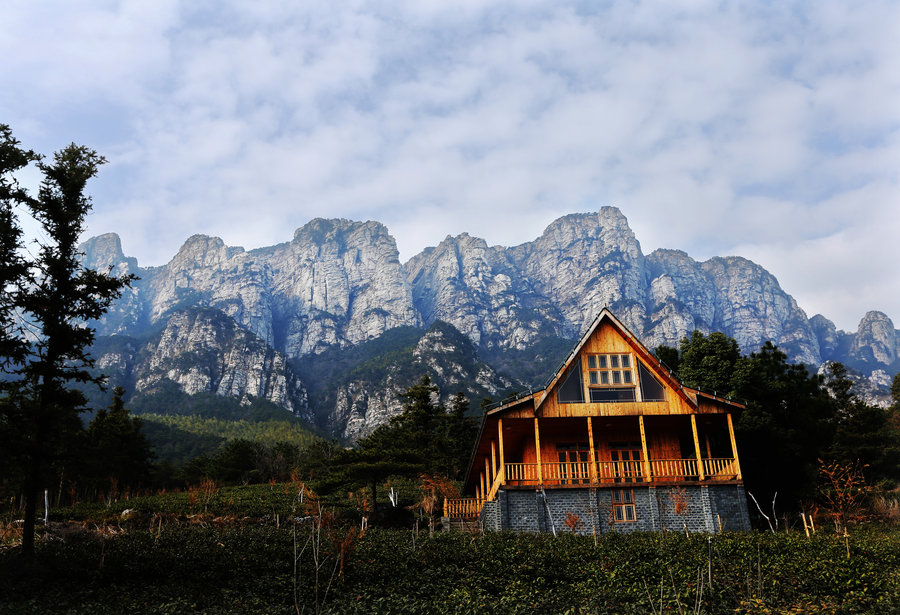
pixel 573 463
pixel 626 458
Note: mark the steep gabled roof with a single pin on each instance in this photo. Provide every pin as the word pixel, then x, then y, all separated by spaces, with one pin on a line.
pixel 639 349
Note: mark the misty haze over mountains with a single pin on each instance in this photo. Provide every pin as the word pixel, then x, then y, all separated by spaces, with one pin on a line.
pixel 331 324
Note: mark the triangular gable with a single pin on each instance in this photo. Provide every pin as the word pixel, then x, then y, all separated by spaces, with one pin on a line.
pixel 645 356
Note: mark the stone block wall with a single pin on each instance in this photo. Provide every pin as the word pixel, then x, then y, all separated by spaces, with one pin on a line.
pixel 695 507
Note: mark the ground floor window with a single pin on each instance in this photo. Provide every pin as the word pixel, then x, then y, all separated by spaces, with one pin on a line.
pixel 623 505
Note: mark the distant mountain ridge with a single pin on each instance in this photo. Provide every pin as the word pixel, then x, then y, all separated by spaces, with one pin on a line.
pixel 339 283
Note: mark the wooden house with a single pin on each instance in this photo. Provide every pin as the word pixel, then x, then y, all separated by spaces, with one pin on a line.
pixel 613 442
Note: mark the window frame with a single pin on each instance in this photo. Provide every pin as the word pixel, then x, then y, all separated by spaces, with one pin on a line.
pixel 611 365
pixel 623 505
pixel 613 372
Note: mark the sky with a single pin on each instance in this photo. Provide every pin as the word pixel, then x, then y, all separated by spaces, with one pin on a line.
pixel 769 130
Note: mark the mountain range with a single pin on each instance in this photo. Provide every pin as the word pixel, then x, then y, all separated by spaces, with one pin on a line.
pixel 330 325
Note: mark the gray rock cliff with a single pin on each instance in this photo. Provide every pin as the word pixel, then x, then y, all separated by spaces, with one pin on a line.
pixel 339 284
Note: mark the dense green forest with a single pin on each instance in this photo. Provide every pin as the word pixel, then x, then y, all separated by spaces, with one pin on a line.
pixel 794 422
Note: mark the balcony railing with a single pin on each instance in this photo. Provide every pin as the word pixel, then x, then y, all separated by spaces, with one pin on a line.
pixel 463 508
pixel 579 473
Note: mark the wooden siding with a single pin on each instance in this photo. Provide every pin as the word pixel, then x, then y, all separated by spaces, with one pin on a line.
pixel 606 339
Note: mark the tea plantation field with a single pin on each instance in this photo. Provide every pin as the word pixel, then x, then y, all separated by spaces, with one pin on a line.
pixel 258 550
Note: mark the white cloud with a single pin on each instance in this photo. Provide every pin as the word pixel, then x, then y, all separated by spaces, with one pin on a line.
pixel 769 130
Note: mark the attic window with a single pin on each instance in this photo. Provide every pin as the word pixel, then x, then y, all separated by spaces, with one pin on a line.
pixel 610 378
pixel 610 370
pixel 651 388
pixel 571 391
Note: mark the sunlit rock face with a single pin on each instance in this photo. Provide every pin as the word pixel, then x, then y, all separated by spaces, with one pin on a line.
pixel 339 283
pixel 876 340
pixel 204 351
pixel 445 354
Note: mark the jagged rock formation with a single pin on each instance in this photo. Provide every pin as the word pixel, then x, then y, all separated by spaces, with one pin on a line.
pixel 583 262
pixel 204 351
pixel 338 284
pixel 873 347
pixel 876 340
pixel 362 403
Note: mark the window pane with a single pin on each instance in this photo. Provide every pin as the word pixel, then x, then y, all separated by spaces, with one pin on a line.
pixel 626 360
pixel 629 513
pixel 626 376
pixel 619 514
pixel 614 361
pixel 619 394
pixel 570 391
pixel 592 362
pixel 617 377
pixel 604 377
pixel 651 388
pixel 601 362
pixel 628 496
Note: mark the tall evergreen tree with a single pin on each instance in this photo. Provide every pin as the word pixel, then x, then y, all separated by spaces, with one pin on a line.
pixel 863 433
pixel 59 301
pixel 708 362
pixel 117 449
pixel 426 438
pixel 786 428
pixel 13 267
pixel 14 274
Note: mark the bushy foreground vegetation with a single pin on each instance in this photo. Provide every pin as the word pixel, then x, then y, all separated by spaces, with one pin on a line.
pixel 171 563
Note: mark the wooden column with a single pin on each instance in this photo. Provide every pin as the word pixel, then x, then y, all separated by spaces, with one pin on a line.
pixel 494 457
pixel 592 468
pixel 646 463
pixel 487 476
pixel 697 447
pixel 483 490
pixel 737 463
pixel 537 451
pixel 500 439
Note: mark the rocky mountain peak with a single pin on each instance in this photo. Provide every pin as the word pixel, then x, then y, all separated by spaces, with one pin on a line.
pixel 201 251
pixel 826 334
pixel 103 251
pixel 876 340
pixel 339 284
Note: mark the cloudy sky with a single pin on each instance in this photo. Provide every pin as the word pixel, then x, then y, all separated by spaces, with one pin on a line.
pixel 766 130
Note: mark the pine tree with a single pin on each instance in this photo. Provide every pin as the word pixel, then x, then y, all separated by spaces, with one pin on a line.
pixel 59 298
pixel 116 448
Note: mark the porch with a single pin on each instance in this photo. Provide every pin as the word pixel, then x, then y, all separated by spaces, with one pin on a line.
pixel 564 475
pixel 592 451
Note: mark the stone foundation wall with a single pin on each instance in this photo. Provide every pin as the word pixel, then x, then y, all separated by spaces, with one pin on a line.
pixel 698 508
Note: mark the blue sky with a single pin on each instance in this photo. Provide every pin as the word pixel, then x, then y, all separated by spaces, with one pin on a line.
pixel 767 130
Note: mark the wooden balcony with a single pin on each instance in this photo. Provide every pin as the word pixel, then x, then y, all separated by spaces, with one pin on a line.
pixel 660 470
pixel 605 473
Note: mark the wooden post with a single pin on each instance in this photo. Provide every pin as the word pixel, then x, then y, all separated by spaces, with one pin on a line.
pixel 494 457
pixel 646 464
pixel 697 447
pixel 737 462
pixel 537 451
pixel 592 468
pixel 487 475
pixel 500 439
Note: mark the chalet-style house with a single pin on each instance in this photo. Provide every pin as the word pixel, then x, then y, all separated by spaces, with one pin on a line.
pixel 612 443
